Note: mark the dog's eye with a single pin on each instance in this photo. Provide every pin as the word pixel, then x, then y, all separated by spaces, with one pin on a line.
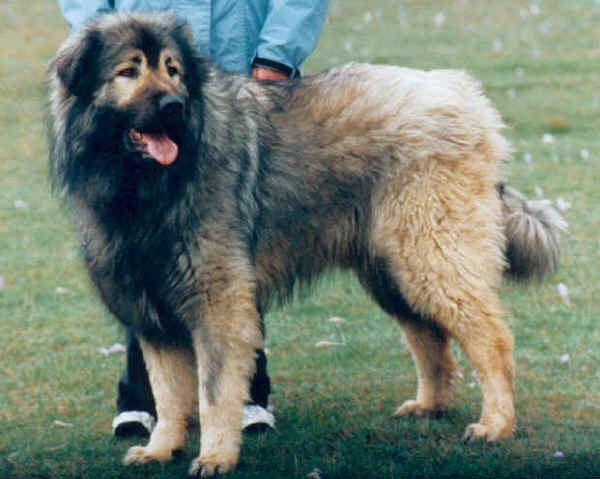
pixel 172 71
pixel 128 72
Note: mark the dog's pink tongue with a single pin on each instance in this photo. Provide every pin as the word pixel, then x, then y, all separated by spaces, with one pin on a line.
pixel 160 147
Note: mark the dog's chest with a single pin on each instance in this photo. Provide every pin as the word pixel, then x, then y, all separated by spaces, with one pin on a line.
pixel 148 284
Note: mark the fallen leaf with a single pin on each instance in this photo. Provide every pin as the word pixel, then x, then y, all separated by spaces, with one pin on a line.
pixel 557 123
pixel 327 344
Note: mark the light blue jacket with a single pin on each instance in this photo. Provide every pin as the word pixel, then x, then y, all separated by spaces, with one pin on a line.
pixel 234 34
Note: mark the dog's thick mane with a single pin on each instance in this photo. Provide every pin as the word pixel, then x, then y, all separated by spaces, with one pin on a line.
pixel 387 171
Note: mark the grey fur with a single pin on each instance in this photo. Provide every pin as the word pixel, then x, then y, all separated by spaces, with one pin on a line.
pixel 533 229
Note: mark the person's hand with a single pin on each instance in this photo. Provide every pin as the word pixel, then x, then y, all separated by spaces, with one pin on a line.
pixel 261 74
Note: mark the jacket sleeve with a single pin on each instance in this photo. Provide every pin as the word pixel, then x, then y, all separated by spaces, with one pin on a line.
pixel 77 12
pixel 290 33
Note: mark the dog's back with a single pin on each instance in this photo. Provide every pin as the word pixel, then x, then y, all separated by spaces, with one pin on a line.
pixel 390 172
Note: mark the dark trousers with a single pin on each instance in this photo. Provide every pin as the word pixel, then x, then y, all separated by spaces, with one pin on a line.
pixel 135 393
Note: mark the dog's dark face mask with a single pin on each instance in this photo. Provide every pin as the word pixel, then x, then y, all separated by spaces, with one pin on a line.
pixel 136 84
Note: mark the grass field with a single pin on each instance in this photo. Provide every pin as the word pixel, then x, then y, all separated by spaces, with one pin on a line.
pixel 539 62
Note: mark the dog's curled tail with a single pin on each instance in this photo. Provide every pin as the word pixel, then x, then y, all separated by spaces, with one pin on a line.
pixel 533 231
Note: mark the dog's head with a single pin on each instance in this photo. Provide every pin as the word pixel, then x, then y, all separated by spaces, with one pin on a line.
pixel 136 76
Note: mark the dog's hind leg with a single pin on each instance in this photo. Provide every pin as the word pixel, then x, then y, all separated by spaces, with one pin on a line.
pixel 429 345
pixel 430 349
pixel 172 373
pixel 440 233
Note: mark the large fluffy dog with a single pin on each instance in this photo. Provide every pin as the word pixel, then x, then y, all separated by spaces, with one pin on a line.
pixel 201 197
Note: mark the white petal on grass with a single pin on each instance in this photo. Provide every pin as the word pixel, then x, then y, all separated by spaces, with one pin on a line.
pixel 539 192
pixel 61 290
pixel 401 11
pixel 559 454
pixel 563 292
pixel 368 17
pixel 548 139
pixel 497 46
pixel 584 154
pixel 327 344
pixel 116 348
pixel 545 28
pixel 511 93
pixel 21 205
pixel 336 320
pixel 58 423
pixel 534 10
pixel 527 157
pixel 315 473
pixel 1 283
pixel 564 358
pixel 439 19
pixel 562 204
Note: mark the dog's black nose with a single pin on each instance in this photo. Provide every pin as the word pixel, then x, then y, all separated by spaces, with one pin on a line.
pixel 170 105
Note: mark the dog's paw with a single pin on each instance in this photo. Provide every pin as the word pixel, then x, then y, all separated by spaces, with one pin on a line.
pixel 487 433
pixel 416 409
pixel 205 467
pixel 143 455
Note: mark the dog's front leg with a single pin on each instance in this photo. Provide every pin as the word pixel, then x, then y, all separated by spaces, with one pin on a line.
pixel 225 339
pixel 172 375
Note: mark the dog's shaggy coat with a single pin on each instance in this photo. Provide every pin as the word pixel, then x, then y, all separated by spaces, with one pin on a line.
pixel 201 197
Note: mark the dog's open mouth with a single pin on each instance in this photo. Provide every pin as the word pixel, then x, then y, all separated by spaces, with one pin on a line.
pixel 157 146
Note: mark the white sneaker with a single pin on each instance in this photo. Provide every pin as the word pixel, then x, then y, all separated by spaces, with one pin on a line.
pixel 257 418
pixel 133 423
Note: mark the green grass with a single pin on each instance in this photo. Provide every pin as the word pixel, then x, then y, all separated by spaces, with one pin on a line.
pixel 333 405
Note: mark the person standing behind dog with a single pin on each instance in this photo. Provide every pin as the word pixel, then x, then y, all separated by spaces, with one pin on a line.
pixel 267 39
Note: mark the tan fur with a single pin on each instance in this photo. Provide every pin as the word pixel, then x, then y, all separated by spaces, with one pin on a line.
pixel 230 320
pixel 430 349
pixel 172 374
pixel 436 218
pixel 390 172
pixel 127 90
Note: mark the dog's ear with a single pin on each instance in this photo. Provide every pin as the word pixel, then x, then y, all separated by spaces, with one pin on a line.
pixel 196 66
pixel 76 64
